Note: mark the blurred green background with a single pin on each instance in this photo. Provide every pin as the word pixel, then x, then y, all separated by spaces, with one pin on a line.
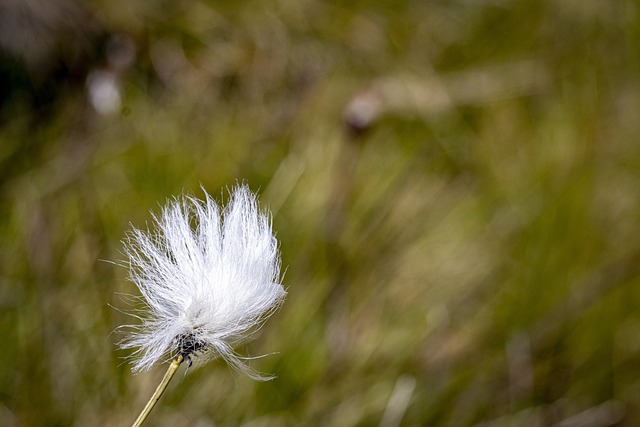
pixel 455 186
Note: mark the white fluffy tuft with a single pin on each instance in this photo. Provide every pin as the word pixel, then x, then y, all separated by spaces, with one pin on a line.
pixel 208 278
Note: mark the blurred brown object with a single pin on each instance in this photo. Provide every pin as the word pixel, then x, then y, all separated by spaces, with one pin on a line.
pixel 431 94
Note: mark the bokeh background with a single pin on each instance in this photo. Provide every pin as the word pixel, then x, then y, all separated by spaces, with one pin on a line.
pixel 455 186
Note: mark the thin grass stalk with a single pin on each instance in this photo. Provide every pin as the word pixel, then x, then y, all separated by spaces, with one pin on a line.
pixel 173 367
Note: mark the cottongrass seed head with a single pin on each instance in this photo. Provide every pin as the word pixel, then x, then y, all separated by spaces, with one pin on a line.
pixel 209 277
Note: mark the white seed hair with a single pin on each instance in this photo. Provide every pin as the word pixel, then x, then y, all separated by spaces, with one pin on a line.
pixel 207 275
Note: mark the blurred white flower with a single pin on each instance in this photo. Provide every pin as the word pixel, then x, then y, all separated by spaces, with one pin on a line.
pixel 209 277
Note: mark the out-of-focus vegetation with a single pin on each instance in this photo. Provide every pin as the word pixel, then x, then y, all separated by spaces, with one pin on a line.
pixel 455 185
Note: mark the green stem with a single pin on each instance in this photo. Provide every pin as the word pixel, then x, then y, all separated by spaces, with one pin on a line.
pixel 175 363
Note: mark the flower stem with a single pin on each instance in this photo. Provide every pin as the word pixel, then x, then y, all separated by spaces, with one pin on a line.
pixel 175 363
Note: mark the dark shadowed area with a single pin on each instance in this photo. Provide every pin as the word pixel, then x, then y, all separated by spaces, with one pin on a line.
pixel 455 186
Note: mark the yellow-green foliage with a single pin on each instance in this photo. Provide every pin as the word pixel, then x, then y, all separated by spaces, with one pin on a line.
pixel 472 258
